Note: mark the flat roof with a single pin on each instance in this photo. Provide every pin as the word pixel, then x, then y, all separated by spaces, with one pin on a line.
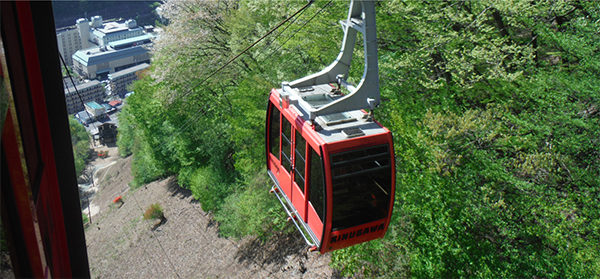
pixel 93 56
pixel 94 105
pixel 67 82
pixel 64 29
pixel 115 27
pixel 337 126
pixel 129 70
pixel 82 86
pixel 132 40
pixel 83 115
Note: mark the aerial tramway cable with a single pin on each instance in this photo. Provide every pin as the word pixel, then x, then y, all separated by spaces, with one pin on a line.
pixel 248 48
pixel 302 27
pixel 188 123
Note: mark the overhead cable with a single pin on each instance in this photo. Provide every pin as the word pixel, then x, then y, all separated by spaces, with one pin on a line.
pixel 188 123
pixel 248 48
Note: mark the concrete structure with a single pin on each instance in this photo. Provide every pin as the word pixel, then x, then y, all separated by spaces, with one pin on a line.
pixel 83 27
pixel 95 109
pixel 95 48
pixel 96 22
pixel 68 82
pixel 119 81
pixel 131 42
pixel 69 42
pixel 99 62
pixel 90 91
pixel 84 118
pixel 114 31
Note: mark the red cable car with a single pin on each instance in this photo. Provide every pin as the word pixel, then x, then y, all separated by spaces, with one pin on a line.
pixel 332 165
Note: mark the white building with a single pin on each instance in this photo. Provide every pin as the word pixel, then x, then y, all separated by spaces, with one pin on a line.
pixel 83 27
pixel 96 36
pixel 94 109
pixel 99 62
pixel 115 31
pixel 69 42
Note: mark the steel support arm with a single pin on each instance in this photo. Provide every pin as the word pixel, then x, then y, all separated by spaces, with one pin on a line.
pixel 361 18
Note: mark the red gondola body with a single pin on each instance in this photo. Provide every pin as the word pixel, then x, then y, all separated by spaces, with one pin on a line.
pixel 347 213
pixel 332 164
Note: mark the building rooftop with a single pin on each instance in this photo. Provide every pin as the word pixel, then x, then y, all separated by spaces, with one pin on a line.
pixel 94 105
pixel 128 70
pixel 93 56
pixel 67 82
pixel 143 39
pixel 84 116
pixel 64 29
pixel 82 86
pixel 102 32
pixel 115 103
pixel 112 27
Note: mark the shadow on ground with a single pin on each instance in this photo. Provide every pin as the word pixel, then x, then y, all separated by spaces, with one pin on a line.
pixel 110 144
pixel 176 190
pixel 275 251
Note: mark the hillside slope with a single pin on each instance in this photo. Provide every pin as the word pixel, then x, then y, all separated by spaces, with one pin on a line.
pixel 121 243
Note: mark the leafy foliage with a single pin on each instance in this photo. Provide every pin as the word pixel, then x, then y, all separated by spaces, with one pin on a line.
pixel 85 218
pixel 494 107
pixel 251 211
pixel 81 144
pixel 210 187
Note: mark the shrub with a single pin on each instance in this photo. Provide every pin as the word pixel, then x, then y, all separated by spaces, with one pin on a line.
pixel 145 168
pixel 85 218
pixel 210 186
pixel 154 212
pixel 253 211
pixel 81 145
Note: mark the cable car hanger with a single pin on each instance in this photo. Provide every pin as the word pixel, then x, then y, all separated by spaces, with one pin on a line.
pixel 361 18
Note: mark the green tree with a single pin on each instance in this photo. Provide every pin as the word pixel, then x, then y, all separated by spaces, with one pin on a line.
pixel 494 107
pixel 81 144
pixel 496 151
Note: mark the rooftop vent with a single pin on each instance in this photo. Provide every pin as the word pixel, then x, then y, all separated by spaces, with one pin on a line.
pixel 337 118
pixel 353 132
pixel 131 23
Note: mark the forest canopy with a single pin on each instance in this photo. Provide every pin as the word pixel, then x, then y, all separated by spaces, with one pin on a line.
pixel 494 107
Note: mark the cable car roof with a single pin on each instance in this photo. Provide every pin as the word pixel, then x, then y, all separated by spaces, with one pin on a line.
pixel 336 126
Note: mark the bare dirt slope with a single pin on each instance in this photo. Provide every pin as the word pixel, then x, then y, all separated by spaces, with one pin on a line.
pixel 121 243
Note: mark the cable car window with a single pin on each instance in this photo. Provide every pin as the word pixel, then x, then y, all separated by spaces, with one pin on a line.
pixel 361 181
pixel 316 186
pixel 299 161
pixel 286 145
pixel 274 133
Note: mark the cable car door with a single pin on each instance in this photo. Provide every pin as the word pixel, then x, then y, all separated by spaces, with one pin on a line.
pixel 279 158
pixel 284 175
pixel 285 145
pixel 298 175
pixel 286 170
